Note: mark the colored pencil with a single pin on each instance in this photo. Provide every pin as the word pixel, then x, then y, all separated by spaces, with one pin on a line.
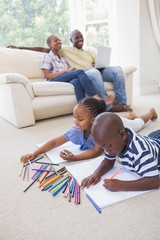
pixel 76 194
pixel 93 203
pixel 79 194
pixel 66 185
pixel 60 171
pixel 36 172
pixel 30 164
pixel 58 183
pixel 46 183
pixel 44 174
pixel 60 187
pixel 73 188
pixel 52 185
pixel 56 164
pixel 21 169
pixel 24 172
pixel 34 160
pixel 66 190
pixel 42 170
pixel 54 169
pixel 30 185
pixel 69 189
pixel 27 173
pixel 115 174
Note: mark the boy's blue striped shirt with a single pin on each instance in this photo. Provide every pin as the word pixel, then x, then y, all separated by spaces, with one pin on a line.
pixel 141 155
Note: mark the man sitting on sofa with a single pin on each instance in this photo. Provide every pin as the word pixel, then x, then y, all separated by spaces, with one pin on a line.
pixel 82 59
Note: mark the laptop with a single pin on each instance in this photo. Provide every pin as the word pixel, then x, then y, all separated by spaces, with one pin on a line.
pixel 103 57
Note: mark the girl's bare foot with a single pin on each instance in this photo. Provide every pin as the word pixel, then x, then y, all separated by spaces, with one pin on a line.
pixel 153 114
pixel 132 116
pixel 109 100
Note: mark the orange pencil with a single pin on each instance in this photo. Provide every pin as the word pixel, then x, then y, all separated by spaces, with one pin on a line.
pixel 46 183
pixel 44 174
pixel 115 174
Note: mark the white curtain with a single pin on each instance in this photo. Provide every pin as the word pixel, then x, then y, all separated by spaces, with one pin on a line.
pixel 154 10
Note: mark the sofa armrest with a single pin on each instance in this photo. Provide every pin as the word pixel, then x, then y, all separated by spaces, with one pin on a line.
pixel 10 78
pixel 128 74
pixel 129 70
pixel 15 102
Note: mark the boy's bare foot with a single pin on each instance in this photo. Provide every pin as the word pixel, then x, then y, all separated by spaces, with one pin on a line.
pixel 153 114
pixel 120 108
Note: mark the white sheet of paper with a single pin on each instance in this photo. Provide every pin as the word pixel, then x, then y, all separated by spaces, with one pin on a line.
pixel 98 193
pixel 53 154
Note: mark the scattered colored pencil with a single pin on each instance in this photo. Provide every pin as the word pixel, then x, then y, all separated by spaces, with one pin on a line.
pixel 93 203
pixel 24 172
pixel 21 169
pixel 59 188
pixel 30 185
pixel 34 160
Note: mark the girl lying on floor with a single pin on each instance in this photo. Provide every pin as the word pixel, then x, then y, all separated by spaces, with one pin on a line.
pixel 84 114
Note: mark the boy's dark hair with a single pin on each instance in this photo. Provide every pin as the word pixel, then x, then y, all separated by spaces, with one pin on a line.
pixel 93 105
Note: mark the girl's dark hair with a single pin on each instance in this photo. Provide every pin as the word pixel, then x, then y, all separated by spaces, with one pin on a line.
pixel 93 105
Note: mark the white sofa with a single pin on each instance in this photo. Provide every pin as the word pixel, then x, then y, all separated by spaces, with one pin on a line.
pixel 25 97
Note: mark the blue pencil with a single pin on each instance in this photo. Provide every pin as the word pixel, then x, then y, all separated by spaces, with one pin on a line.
pixel 93 203
pixel 59 189
pixel 59 182
pixel 73 188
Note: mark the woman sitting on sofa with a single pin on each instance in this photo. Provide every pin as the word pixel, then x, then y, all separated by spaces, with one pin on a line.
pixel 56 68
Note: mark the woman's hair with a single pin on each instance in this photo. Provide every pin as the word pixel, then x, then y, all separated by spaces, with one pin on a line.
pixel 49 39
pixel 93 105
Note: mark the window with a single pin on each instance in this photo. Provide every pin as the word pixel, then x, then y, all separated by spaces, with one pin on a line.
pixel 30 22
pixel 96 22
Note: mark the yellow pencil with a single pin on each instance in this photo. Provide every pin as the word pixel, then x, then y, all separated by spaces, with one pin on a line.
pixel 115 174
pixel 21 169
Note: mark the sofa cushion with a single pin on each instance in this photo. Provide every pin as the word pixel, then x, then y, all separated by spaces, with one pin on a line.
pixel 52 88
pixel 17 78
pixel 24 62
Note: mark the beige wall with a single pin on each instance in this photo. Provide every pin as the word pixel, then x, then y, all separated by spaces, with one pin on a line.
pixel 136 45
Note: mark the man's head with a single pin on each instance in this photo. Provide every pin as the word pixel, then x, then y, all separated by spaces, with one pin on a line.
pixel 108 132
pixel 76 39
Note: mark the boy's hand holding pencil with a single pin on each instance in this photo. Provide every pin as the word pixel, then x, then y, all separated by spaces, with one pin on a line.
pixel 112 184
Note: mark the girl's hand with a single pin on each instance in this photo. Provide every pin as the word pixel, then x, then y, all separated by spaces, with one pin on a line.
pixel 27 157
pixel 91 180
pixel 113 185
pixel 67 155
